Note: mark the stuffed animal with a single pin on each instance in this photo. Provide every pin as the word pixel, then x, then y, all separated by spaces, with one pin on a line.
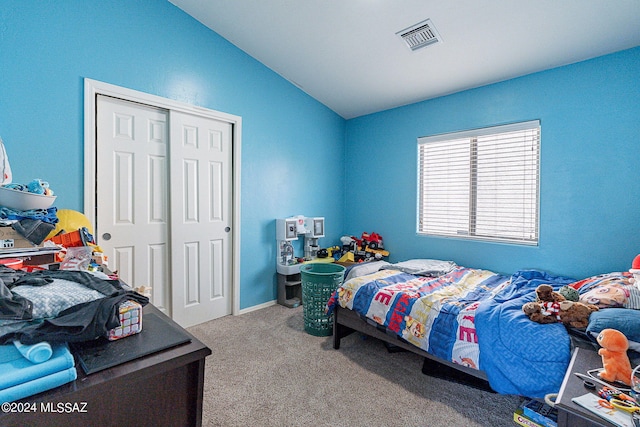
pixel 534 311
pixel 545 293
pixel 615 362
pixel 569 293
pixel 576 314
pixel 569 313
pixel 35 186
pixel 38 186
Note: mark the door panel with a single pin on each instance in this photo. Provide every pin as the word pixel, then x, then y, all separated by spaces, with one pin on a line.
pixel 132 193
pixel 201 217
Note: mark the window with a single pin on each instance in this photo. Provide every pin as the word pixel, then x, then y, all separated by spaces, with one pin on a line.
pixel 481 184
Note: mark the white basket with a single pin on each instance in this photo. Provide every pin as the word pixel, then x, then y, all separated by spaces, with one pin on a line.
pixel 24 201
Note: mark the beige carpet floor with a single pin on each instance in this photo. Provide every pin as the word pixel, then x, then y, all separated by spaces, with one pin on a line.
pixel 266 371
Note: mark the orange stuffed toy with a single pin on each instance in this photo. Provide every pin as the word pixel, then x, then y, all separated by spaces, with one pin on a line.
pixel 614 356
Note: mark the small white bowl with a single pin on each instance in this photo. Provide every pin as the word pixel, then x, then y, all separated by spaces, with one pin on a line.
pixel 24 201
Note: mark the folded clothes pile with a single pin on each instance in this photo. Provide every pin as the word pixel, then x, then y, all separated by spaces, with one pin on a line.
pixel 31 369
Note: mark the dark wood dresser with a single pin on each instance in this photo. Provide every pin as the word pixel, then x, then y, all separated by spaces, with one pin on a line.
pixel 161 389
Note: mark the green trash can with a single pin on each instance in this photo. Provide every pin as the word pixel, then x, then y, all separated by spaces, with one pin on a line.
pixel 319 280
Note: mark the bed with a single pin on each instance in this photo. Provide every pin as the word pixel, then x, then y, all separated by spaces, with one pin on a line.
pixel 467 318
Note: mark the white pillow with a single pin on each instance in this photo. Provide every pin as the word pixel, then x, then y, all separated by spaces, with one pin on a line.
pixel 365 268
pixel 424 267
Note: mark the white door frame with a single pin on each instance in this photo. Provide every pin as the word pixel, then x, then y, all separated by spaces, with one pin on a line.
pixel 93 88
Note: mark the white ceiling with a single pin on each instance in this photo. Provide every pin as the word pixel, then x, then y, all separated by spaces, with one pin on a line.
pixel 346 54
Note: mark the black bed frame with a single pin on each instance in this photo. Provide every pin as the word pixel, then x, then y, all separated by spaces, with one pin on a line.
pixel 346 321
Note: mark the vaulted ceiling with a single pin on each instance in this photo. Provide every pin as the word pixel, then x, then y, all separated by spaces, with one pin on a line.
pixel 347 53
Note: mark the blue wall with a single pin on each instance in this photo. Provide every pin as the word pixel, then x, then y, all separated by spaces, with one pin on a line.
pixel 292 146
pixel 589 202
pixel 298 157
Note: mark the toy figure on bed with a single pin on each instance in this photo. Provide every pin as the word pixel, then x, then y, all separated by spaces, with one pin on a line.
pixel 545 293
pixel 615 362
pixel 552 307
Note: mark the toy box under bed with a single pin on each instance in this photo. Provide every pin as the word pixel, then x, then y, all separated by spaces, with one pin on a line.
pixel 466 318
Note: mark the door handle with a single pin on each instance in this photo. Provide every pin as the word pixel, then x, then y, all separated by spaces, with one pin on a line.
pixel 106 236
pixel 227 229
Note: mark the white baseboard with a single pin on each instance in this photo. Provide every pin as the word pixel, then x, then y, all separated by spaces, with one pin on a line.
pixel 257 307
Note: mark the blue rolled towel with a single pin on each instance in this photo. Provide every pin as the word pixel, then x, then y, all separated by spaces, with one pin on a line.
pixel 35 353
pixel 38 385
pixel 20 370
pixel 9 352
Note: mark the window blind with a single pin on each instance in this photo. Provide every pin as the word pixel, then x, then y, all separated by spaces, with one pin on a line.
pixel 481 184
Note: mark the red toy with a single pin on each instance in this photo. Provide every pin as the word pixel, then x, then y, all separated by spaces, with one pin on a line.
pixel 372 241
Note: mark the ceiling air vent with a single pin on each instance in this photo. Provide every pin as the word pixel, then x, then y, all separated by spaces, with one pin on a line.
pixel 421 35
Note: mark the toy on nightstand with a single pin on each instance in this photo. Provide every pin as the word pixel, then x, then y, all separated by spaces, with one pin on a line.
pixel 615 362
pixel 635 270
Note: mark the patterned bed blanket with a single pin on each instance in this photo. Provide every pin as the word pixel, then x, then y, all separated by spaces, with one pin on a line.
pixel 470 317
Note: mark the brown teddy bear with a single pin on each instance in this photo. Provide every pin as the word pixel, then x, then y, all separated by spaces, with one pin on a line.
pixel 569 313
pixel 546 293
pixel 552 307
pixel 534 311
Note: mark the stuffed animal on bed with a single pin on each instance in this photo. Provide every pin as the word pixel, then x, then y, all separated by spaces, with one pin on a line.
pixel 538 313
pixel 546 308
pixel 545 293
pixel 576 314
pixel 569 313
pixel 569 293
pixel 615 362
pixel 552 307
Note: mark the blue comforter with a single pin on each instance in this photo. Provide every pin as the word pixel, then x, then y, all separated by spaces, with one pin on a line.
pixel 520 356
pixel 470 317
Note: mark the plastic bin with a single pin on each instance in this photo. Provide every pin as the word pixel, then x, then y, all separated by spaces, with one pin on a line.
pixel 319 280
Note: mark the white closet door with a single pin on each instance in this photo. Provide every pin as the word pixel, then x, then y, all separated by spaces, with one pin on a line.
pixel 201 210
pixel 132 214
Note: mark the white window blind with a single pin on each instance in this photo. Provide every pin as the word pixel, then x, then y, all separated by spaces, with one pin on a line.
pixel 481 184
